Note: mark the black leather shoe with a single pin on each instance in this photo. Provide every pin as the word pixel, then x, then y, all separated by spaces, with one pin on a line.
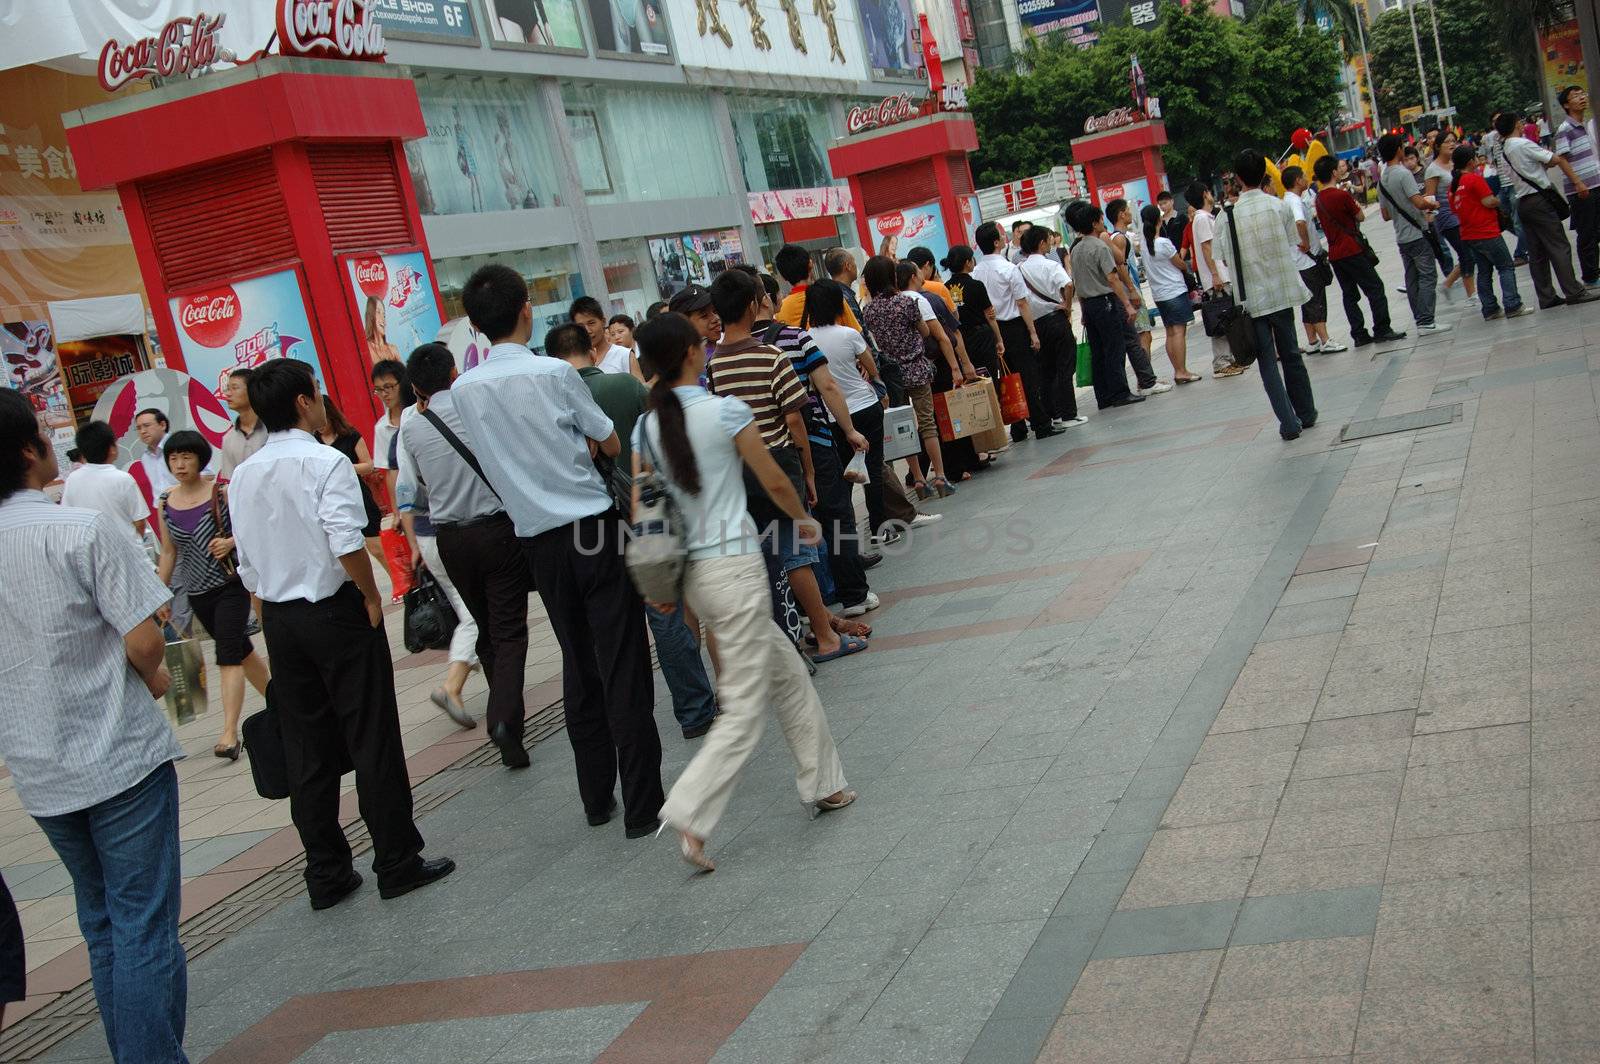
pixel 328 901
pixel 645 831
pixel 596 819
pixel 698 731
pixel 1126 400
pixel 512 755
pixel 869 560
pixel 1360 341
pixel 426 872
pixel 1042 434
pixel 1287 436
pixel 1389 337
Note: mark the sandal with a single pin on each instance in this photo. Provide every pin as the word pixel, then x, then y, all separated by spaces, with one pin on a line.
pixel 941 487
pixel 848 644
pixel 1186 380
pixel 694 852
pixel 227 753
pixel 922 489
pixel 833 803
pixel 847 626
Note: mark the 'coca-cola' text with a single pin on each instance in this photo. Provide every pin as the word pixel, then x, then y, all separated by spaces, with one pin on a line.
pixel 340 29
pixel 183 46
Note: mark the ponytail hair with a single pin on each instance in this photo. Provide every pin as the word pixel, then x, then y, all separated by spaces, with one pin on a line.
pixel 665 341
pixel 1151 217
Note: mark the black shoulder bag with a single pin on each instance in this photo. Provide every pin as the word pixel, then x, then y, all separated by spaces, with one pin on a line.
pixel 460 448
pixel 1427 228
pixel 1237 324
pixel 1557 202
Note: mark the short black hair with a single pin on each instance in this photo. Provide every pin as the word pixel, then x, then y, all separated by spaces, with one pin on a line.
pixel 733 293
pixel 1290 175
pixel 1163 194
pixel 274 387
pixel 1114 210
pixel 1565 94
pixel 1251 166
pixel 186 441
pixel 1389 146
pixel 623 319
pixel 1035 238
pixel 153 412
pixel 1195 194
pixel 1082 215
pixel 19 433
pixel 987 237
pixel 1506 122
pixel 393 367
pixel 95 440
pixel 1019 223
pixel 824 306
pixel 959 256
pixel 879 276
pixel 904 272
pixel 429 369
pixel 793 263
pixel 655 310
pixel 73 454
pixel 565 341
pixel 586 305
pixel 1324 168
pixel 494 297
pixel 920 255
pixel 770 283
pixel 242 371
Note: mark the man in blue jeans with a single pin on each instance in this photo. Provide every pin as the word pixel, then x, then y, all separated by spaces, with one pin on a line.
pixel 1254 237
pixel 80 669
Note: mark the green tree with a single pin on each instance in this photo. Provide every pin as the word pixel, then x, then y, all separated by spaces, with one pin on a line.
pixel 1487 68
pixel 1223 85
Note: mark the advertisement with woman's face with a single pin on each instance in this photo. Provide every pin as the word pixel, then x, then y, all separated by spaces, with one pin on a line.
pixel 538 23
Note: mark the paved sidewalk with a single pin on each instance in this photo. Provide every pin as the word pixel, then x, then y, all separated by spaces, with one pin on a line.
pixel 1176 743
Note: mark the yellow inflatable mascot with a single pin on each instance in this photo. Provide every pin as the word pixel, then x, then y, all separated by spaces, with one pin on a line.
pixel 1304 153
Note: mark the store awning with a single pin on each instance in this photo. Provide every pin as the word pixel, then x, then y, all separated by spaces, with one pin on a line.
pixel 85 319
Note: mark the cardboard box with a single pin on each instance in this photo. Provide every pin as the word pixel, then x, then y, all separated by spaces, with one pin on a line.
pixel 900 433
pixel 962 412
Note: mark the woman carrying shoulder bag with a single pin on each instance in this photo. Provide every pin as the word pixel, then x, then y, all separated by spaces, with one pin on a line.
pixel 699 444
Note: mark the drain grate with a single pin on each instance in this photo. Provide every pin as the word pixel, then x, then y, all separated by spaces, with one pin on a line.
pixel 75 1010
pixel 1415 419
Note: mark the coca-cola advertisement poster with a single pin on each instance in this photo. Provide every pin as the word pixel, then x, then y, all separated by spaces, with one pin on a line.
pixel 243 324
pixel 394 296
pixel 911 227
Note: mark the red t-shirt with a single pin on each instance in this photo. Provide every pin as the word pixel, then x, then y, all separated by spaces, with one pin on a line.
pixel 1341 220
pixel 1466 199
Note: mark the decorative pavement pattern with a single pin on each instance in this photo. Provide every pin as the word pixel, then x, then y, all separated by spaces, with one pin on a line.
pixel 1175 743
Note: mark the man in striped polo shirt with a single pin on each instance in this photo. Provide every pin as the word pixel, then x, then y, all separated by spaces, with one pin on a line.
pixel 1574 143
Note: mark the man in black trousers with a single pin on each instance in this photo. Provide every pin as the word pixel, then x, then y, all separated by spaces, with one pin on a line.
pixel 297 521
pixel 477 541
pixel 535 427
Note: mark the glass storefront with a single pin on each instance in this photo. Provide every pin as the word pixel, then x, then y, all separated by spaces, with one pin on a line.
pixel 617 135
pixel 551 273
pixel 783 141
pixel 631 284
pixel 486 148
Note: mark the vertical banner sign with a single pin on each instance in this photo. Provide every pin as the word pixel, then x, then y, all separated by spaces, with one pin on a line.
pixel 1077 20
pixel 395 299
pixel 1561 55
pixel 244 324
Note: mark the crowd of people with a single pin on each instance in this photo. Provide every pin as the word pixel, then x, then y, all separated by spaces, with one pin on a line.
pixel 755 405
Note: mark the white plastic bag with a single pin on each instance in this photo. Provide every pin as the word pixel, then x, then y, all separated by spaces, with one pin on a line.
pixel 856 471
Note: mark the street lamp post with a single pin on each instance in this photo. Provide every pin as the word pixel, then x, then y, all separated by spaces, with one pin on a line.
pixel 1438 50
pixel 1416 44
pixel 1366 66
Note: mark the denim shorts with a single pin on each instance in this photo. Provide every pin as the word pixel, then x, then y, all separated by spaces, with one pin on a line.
pixel 1178 310
pixel 784 544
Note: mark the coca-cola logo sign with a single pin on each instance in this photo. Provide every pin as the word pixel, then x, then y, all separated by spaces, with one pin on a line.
pixel 372 277
pixel 891 224
pixel 1122 116
pixel 885 112
pixel 212 318
pixel 184 46
pixel 338 29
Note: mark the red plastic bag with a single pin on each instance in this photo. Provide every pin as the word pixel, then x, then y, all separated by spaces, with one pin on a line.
pixel 1013 399
pixel 397 551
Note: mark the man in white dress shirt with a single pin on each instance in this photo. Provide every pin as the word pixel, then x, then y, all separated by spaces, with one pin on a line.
pixel 1049 296
pixel 534 427
pixel 1009 294
pixel 100 485
pixel 151 425
pixel 297 520
pixel 587 314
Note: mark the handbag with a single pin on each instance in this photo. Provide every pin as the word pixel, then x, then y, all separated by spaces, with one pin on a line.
pixel 262 733
pixel 1427 227
pixel 430 620
pixel 1013 397
pixel 656 550
pixel 1557 202
pixel 1237 324
pixel 1324 269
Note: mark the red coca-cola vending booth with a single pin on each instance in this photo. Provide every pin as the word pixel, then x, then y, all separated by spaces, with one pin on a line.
pixel 269 204
pixel 906 162
pixel 1120 153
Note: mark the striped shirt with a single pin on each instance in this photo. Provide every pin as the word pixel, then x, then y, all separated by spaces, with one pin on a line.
pixel 1574 143
pixel 761 376
pixel 806 358
pixel 77 725
pixel 198 572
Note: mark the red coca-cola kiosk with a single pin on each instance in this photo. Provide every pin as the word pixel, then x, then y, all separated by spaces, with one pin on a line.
pixel 269 203
pixel 1120 153
pixel 906 162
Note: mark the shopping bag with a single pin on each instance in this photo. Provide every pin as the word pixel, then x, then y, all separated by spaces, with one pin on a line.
pixel 186 695
pixel 1013 399
pixel 1085 365
pixel 994 438
pixel 397 552
pixel 960 413
pixel 430 620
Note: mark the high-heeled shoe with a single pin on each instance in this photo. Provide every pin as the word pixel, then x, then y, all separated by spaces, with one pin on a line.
pixel 922 489
pixel 693 850
pixel 941 487
pixel 227 753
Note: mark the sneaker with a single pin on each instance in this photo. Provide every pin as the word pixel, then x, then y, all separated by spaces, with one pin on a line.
pixel 1519 261
pixel 1520 312
pixel 866 605
pixel 1073 422
pixel 926 519
pixel 1331 347
pixel 1588 295
pixel 1435 327
pixel 1313 349
pixel 1400 288
pixel 1057 424
pixel 1493 314
pixel 1156 389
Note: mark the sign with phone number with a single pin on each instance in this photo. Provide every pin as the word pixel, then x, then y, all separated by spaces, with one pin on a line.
pixel 436 18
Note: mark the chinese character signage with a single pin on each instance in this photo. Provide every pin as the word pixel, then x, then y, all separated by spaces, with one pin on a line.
pixel 793 204
pixel 244 324
pixel 394 296
pixel 1078 20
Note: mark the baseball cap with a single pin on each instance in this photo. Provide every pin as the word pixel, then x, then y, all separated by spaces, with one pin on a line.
pixel 690 298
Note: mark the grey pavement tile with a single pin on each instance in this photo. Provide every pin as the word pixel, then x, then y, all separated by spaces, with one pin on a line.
pixel 1316 587
pixel 804 1010
pixel 1092 894
pixel 1159 882
pixel 1468 953
pixel 577 1032
pixel 1508 771
pixel 1147 982
pixel 923 1045
pixel 1173 929
pixel 1308 618
pixel 1296 968
pixel 1239 838
pixel 1471 901
pixel 1568 1010
pixel 467 1040
pixel 1277 1028
pixel 43 881
pixel 1462 813
pixel 1333 868
pixel 1357 825
pixel 1123 1036
pixel 1366 728
pixel 1478 854
pixel 1566 946
pixel 1015 883
pixel 1315 914
pixel 1252 743
pixel 1195 804
pixel 1049 971
pixel 1113 853
pixel 1432 1020
pixel 1351 759
pixel 1342 792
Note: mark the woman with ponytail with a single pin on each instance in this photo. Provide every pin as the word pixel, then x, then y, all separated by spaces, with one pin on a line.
pixel 1170 288
pixel 699 444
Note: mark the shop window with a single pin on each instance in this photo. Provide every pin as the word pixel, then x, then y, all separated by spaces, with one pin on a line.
pixel 783 141
pixel 616 134
pixel 487 147
pixel 551 273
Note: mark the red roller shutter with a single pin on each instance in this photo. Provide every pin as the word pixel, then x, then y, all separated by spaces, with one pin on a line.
pixel 363 205
pixel 907 185
pixel 217 221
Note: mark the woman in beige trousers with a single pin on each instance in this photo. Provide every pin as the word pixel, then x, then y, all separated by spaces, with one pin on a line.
pixel 699 444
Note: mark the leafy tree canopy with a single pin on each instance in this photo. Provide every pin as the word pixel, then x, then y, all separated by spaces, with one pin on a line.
pixel 1223 85
pixel 1488 57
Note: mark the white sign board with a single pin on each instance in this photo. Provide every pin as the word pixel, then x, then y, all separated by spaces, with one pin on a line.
pixel 797 39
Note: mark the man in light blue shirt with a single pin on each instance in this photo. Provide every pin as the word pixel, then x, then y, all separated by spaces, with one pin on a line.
pixel 534 427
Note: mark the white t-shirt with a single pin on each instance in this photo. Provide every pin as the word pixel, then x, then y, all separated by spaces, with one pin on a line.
pixel 111 491
pixel 1166 280
pixel 843 345
pixel 1308 202
pixel 717 524
pixel 924 306
pixel 1205 227
pixel 617 360
pixel 1297 208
